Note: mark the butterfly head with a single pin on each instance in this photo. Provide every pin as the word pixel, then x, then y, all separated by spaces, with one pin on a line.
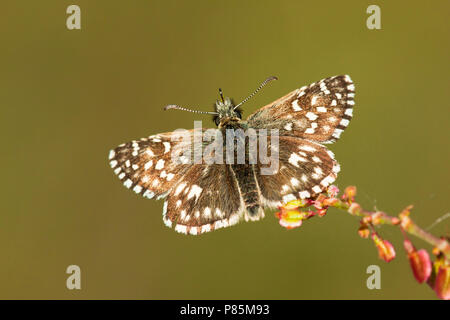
pixel 226 111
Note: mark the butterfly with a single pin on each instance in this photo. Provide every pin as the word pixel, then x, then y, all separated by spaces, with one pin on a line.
pixel 204 196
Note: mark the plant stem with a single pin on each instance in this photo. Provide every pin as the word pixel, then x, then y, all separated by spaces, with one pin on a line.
pixel 403 221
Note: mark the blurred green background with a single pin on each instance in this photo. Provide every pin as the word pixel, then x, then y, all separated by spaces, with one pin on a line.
pixel 68 97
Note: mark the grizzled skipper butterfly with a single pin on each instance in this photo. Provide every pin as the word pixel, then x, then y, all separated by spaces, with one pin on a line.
pixel 201 196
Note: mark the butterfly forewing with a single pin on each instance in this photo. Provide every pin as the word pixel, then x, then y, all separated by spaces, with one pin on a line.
pixel 319 112
pixel 147 167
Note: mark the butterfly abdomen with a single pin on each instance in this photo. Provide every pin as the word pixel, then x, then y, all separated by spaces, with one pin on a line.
pixel 248 188
pixel 243 170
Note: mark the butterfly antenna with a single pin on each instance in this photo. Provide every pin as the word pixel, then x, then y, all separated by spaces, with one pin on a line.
pixel 221 95
pixel 174 106
pixel 256 91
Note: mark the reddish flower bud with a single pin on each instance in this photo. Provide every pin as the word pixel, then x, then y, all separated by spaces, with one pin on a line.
pixel 419 261
pixel 322 212
pixel 386 250
pixel 333 191
pixel 421 265
pixel 442 282
pixel 405 222
pixel 294 204
pixel 349 193
pixel 406 212
pixel 365 220
pixel 291 218
pixel 364 232
pixel 395 220
pixel 436 251
pixel 329 202
pixel 318 203
pixel 355 209
pixel 377 217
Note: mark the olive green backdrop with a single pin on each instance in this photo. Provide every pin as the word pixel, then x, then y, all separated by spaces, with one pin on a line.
pixel 68 97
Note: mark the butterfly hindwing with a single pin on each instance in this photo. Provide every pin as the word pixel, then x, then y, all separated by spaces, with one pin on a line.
pixel 304 170
pixel 205 199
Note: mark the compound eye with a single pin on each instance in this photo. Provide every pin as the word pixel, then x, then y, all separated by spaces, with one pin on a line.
pixel 239 114
pixel 217 121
